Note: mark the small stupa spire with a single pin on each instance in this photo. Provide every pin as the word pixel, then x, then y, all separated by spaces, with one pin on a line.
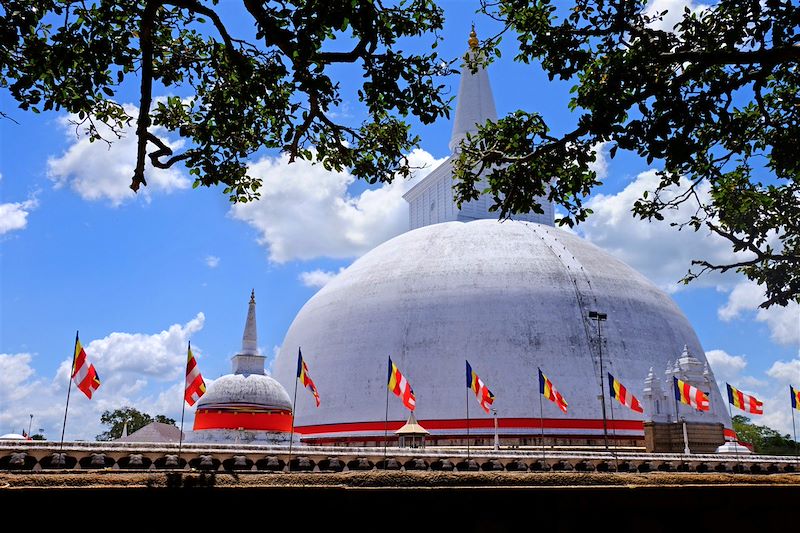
pixel 249 361
pixel 250 337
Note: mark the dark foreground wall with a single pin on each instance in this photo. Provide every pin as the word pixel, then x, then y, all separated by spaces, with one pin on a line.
pixel 645 509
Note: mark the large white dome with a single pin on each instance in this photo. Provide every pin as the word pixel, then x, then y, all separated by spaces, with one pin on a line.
pixel 507 296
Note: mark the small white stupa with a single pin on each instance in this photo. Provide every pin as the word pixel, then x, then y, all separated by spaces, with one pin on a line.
pixel 247 405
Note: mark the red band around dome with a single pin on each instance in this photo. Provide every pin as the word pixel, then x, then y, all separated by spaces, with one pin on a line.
pixel 280 421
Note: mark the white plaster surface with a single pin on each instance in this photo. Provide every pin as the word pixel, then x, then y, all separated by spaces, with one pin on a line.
pixel 235 436
pixel 475 104
pixel 238 389
pixel 509 297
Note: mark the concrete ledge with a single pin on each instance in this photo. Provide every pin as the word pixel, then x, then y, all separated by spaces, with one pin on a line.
pixel 379 479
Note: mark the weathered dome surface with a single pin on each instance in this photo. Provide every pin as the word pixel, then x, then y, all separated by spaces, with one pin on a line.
pixel 255 390
pixel 509 297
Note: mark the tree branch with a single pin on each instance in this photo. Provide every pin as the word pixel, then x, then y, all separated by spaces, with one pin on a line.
pixel 360 50
pixel 146 90
pixel 273 34
pixel 196 7
pixel 164 150
pixel 782 54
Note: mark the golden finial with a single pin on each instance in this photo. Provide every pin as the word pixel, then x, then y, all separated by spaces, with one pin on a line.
pixel 473 38
pixel 253 296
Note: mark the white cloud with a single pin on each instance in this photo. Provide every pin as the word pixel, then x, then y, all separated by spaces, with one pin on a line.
pixel 675 10
pixel 724 365
pixel 776 404
pixel 212 261
pixel 317 278
pixel 745 296
pixel 270 361
pixel 97 171
pixel 656 249
pixel 306 211
pixel 160 355
pixel 783 322
pixel 774 392
pixel 664 255
pixel 139 370
pixel 788 373
pixel 22 392
pixel 14 215
pixel 601 162
pixel 15 371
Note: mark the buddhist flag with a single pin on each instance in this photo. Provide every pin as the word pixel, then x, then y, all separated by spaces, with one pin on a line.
pixel 547 389
pixel 399 385
pixel 304 378
pixel 795 397
pixel 482 393
pixel 745 402
pixel 195 386
pixel 622 395
pixel 689 395
pixel 83 373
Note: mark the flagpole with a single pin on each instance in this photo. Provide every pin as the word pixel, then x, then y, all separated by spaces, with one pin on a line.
pixel 675 396
pixel 183 409
pixel 467 398
pixel 794 431
pixel 386 422
pixel 294 410
pixel 541 424
pixel 614 431
pixel 69 389
pixel 735 437
pixel 180 437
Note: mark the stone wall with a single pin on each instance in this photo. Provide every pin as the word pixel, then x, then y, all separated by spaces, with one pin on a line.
pixel 668 438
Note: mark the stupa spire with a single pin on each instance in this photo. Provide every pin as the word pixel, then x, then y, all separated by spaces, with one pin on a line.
pixel 475 101
pixel 249 361
pixel 250 337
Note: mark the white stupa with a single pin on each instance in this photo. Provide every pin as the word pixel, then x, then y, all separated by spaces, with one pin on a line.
pixel 247 405
pixel 509 297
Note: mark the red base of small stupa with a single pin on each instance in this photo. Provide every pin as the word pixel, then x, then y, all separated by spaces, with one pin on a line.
pixel 279 421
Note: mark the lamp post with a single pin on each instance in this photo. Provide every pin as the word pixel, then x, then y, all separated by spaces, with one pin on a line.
pixel 600 317
pixel 686 450
pixel 30 423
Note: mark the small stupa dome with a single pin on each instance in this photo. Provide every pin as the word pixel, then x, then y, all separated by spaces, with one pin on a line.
pixel 239 389
pixel 13 436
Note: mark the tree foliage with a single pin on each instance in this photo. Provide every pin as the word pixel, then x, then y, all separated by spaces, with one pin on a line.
pixel 764 440
pixel 115 421
pixel 713 100
pixel 270 88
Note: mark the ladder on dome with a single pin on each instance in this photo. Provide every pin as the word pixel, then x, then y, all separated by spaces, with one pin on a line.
pixel 582 287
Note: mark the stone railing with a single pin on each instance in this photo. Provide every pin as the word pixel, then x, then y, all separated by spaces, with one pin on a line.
pixel 49 456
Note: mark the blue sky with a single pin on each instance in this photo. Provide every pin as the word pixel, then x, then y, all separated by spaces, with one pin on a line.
pixel 142 275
